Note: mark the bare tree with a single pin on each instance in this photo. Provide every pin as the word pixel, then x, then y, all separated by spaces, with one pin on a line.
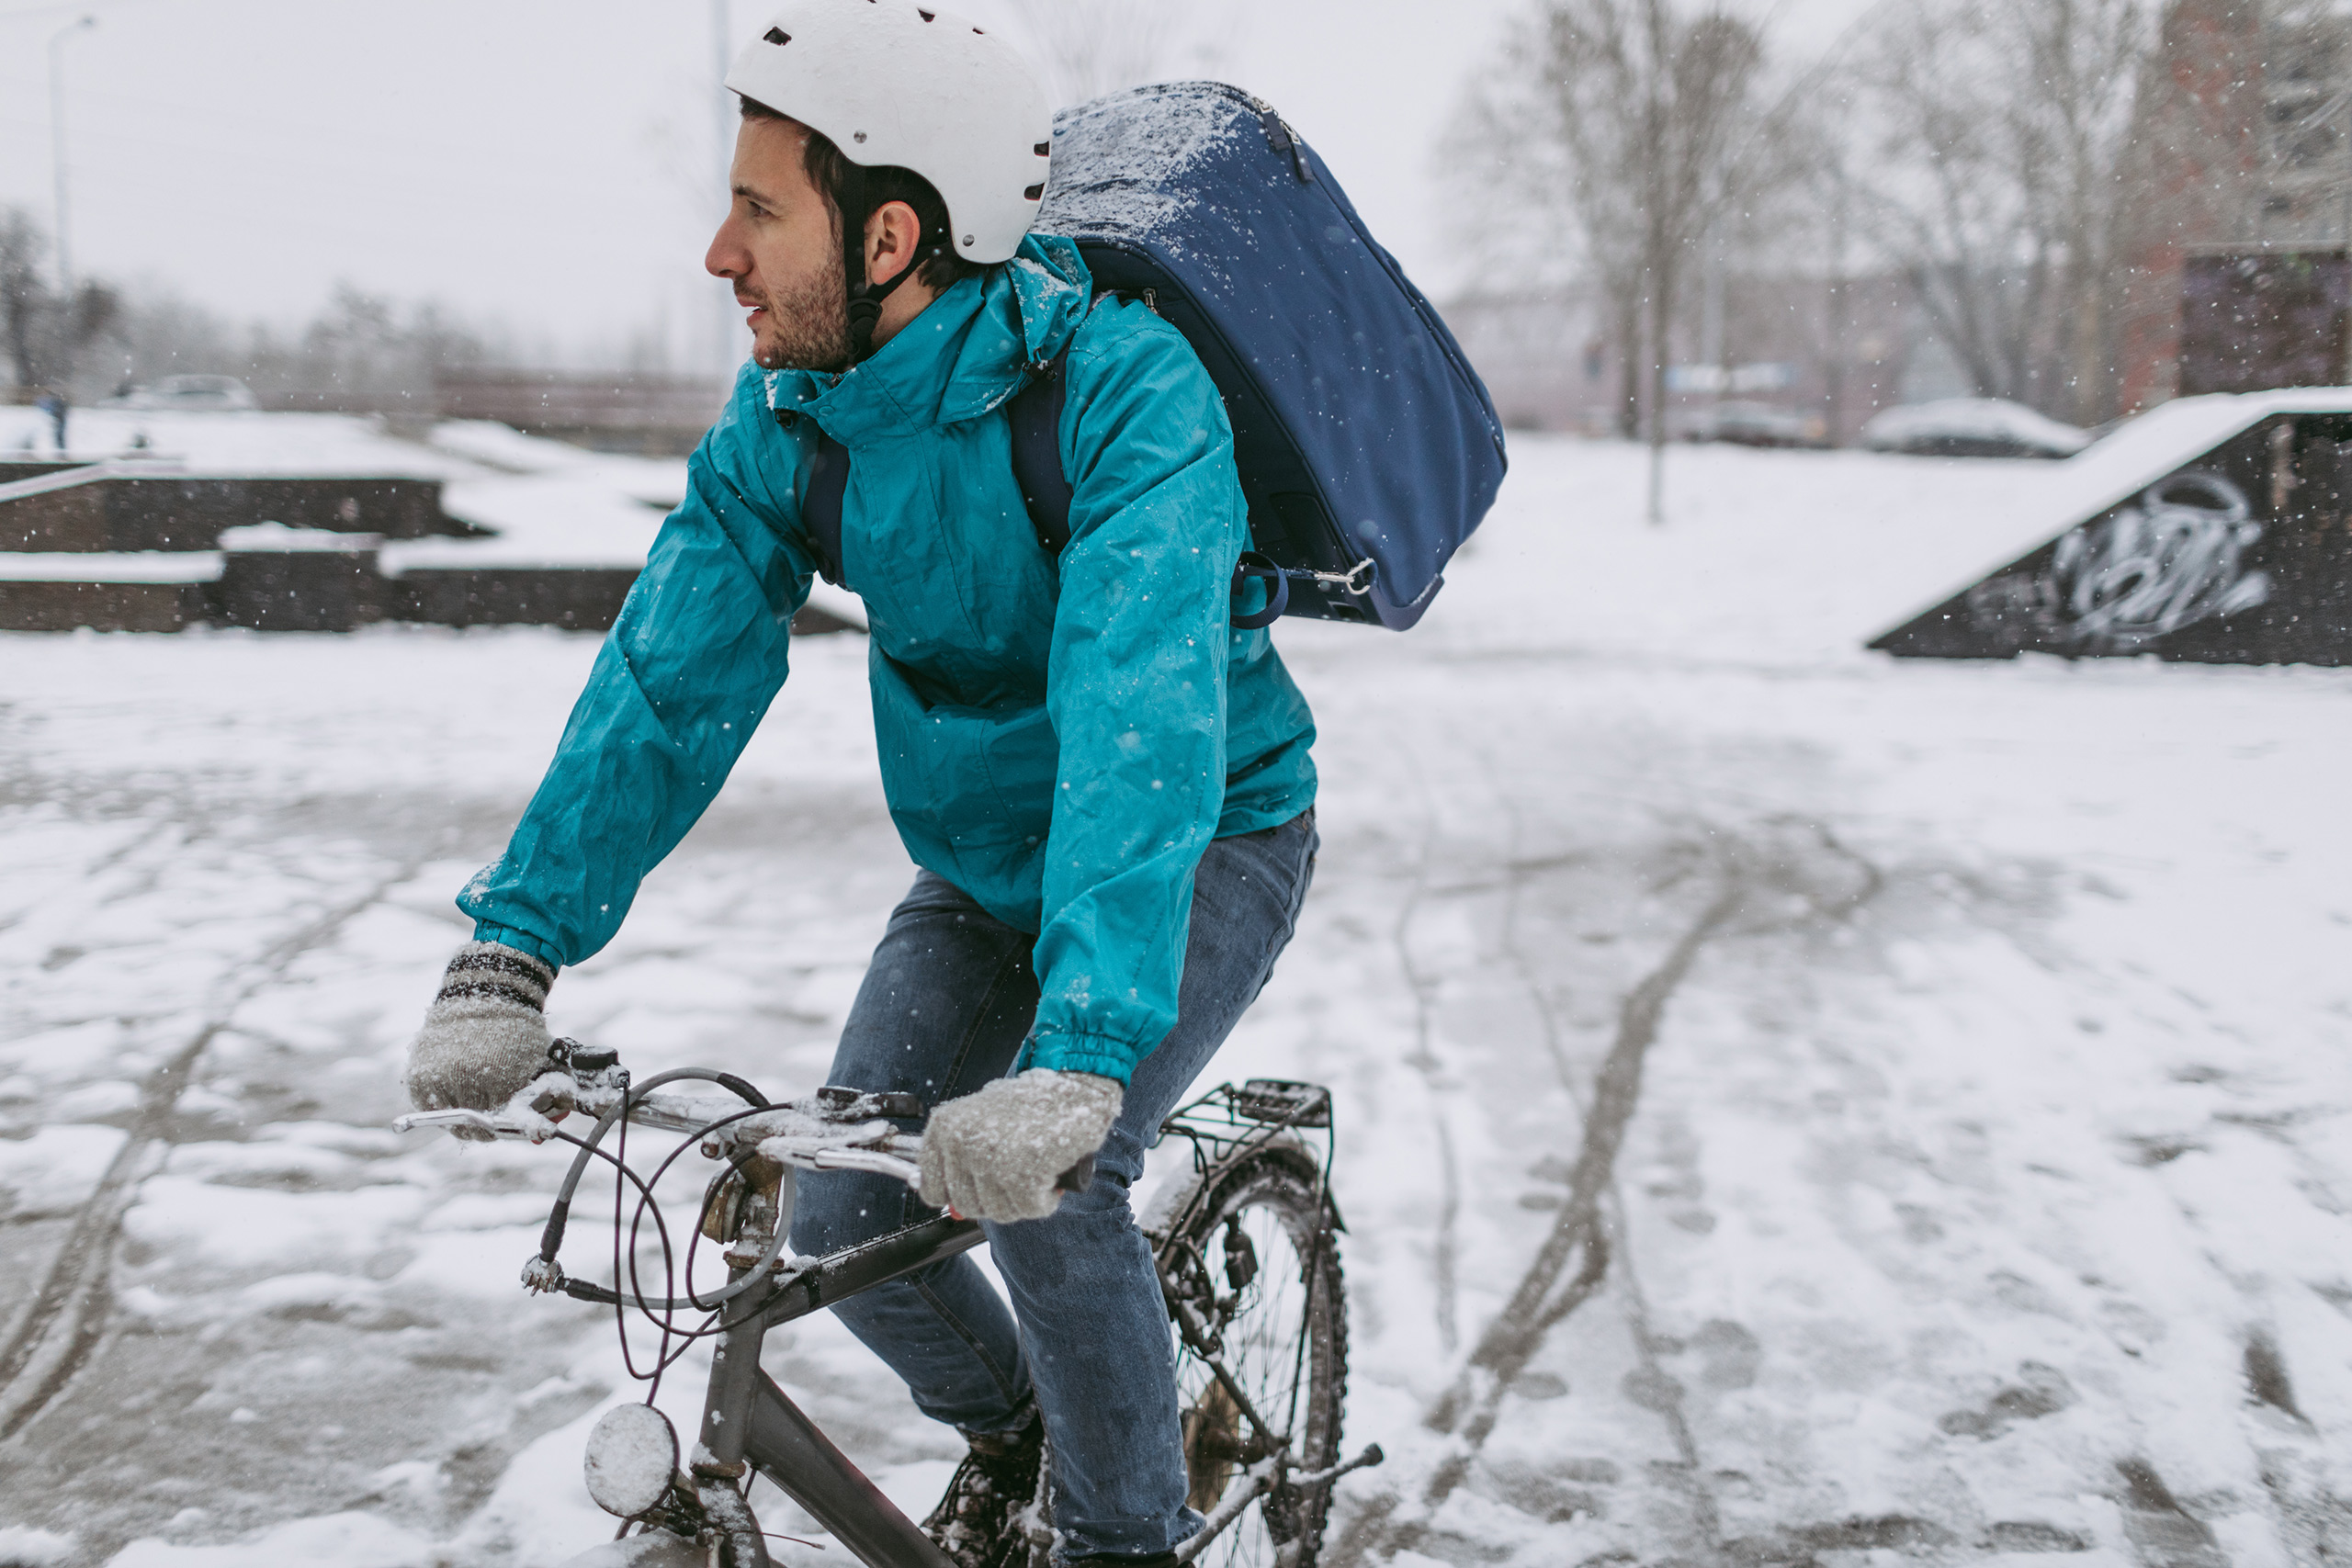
pixel 1647 128
pixel 361 353
pixel 1537 224
pixel 47 334
pixel 1995 137
pixel 23 293
pixel 1093 47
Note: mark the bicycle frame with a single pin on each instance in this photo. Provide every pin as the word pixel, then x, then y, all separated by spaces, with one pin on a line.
pixel 749 1423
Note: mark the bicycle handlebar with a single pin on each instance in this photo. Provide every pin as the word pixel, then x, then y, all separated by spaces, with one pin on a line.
pixel 834 1130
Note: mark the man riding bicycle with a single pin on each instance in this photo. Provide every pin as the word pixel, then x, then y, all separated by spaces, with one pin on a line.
pixel 1106 788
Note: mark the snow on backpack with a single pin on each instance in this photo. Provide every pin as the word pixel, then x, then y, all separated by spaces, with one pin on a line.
pixel 1368 448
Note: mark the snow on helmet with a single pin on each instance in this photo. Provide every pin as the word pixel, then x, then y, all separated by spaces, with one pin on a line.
pixel 894 84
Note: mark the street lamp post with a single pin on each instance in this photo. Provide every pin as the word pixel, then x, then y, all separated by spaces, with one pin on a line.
pixel 57 144
pixel 722 27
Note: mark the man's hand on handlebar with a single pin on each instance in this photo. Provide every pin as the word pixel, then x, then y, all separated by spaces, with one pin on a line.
pixel 1011 1151
pixel 485 1036
pixel 834 1129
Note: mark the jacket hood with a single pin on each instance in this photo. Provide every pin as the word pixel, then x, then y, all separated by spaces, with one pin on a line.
pixel 967 352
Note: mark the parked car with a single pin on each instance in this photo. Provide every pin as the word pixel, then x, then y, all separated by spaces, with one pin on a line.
pixel 1756 424
pixel 1972 428
pixel 194 393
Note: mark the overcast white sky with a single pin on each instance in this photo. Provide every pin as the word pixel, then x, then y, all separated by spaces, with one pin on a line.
pixel 550 167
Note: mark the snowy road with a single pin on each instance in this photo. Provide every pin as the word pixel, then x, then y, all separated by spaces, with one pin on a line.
pixel 1794 1108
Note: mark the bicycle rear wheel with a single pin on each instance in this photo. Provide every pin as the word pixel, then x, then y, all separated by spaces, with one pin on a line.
pixel 1253 1255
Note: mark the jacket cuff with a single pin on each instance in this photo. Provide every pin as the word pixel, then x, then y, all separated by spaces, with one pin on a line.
pixel 522 941
pixel 1097 1054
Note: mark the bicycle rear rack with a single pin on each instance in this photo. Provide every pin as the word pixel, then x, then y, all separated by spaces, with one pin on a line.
pixel 1233 1121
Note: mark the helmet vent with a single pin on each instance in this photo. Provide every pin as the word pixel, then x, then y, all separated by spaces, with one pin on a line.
pixel 777 35
pixel 1043 149
pixel 928 15
pixel 1035 191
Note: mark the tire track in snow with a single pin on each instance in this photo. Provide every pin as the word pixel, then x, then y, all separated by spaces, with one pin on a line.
pixel 1701 1501
pixel 1468 1410
pixel 1424 1061
pixel 69 1311
pixel 1515 1335
pixel 1581 1234
pixel 1706 1518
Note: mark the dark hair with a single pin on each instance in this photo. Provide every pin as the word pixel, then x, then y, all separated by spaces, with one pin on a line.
pixel 829 172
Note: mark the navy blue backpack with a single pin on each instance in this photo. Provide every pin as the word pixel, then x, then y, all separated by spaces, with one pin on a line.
pixel 1368 447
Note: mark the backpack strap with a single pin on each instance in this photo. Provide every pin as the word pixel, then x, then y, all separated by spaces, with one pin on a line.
pixel 1037 414
pixel 1277 582
pixel 820 509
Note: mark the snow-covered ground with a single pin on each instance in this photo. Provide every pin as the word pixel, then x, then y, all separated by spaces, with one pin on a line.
pixel 1983 1028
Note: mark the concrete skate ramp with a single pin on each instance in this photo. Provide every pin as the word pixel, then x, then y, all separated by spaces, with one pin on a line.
pixel 2216 529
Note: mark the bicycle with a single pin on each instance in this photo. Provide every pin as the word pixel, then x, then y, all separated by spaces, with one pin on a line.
pixel 1249 1265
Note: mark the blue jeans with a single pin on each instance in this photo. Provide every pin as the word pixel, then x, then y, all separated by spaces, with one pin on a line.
pixel 945 1008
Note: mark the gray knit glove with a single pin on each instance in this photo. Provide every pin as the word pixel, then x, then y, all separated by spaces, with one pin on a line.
pixel 484 1036
pixel 995 1155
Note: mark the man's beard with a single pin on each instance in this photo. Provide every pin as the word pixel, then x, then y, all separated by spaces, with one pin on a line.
pixel 807 323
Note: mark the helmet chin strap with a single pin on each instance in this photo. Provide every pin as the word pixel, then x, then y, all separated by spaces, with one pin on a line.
pixel 864 298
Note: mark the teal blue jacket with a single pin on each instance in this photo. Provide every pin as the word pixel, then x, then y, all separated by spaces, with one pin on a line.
pixel 1060 738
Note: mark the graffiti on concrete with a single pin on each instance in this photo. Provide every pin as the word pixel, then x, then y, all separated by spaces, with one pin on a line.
pixel 2174 557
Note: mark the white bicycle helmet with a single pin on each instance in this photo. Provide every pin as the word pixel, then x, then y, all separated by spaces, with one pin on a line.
pixel 892 82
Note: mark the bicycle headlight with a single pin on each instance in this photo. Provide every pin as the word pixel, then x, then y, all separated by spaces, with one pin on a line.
pixel 632 1456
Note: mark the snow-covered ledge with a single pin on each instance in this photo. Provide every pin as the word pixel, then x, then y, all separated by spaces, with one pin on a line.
pixel 264 537
pixel 100 566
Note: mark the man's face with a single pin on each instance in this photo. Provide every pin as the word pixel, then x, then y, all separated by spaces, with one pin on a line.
pixel 781 248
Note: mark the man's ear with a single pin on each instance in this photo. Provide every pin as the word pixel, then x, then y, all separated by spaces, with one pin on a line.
pixel 892 235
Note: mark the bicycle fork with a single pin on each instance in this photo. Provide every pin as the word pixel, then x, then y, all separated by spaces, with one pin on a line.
pixel 748 1423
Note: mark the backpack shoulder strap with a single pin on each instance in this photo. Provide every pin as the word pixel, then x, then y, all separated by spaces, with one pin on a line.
pixel 1037 414
pixel 820 509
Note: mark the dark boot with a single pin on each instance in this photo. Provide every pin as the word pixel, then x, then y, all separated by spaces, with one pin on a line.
pixel 974 1523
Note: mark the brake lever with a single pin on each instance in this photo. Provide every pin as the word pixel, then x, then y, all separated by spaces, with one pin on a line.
pixel 530 1116
pixel 447 1121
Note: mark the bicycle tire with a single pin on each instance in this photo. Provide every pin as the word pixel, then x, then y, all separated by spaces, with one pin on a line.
pixel 1282 1332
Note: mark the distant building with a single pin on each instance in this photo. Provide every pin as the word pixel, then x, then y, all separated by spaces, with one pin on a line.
pixel 1545 361
pixel 2245 139
pixel 2261 318
pixel 614 411
pixel 1831 352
